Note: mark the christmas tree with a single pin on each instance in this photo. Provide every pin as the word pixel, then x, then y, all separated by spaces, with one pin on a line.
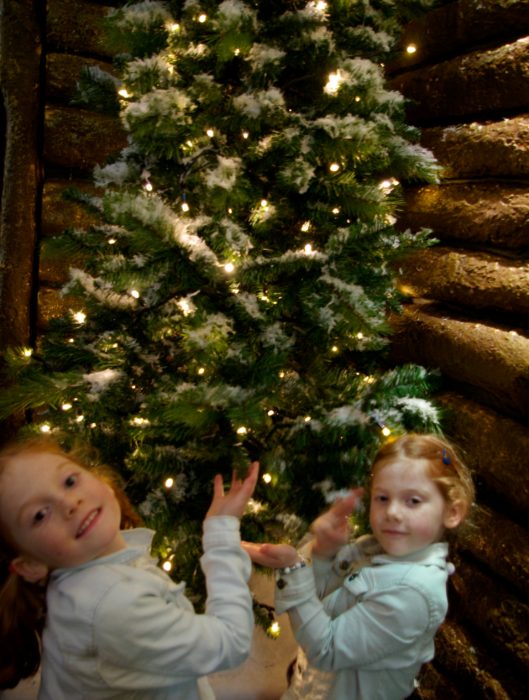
pixel 233 298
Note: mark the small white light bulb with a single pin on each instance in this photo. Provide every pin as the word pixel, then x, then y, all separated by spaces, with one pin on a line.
pixel 185 306
pixel 79 317
pixel 333 83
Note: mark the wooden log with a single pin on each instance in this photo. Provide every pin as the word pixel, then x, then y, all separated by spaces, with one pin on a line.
pixel 74 26
pixel 60 213
pixel 456 26
pixel 467 278
pixel 490 538
pixel 478 83
pixel 487 214
pixel 499 617
pixel 491 358
pixel 485 149
pixel 79 139
pixel 461 659
pixel 20 55
pixel 495 447
pixel 431 684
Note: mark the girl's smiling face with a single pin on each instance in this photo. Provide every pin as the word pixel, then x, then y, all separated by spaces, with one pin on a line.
pixel 407 510
pixel 58 514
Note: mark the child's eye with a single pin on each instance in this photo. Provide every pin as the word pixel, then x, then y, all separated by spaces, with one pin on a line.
pixel 381 499
pixel 414 501
pixel 70 480
pixel 40 515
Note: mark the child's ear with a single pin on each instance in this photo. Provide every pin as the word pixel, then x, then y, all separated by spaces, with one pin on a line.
pixel 29 569
pixel 454 514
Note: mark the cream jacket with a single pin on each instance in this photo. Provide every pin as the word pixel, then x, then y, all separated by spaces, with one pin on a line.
pixel 119 628
pixel 365 624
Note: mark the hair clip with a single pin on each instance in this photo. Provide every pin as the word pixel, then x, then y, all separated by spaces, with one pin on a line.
pixel 446 457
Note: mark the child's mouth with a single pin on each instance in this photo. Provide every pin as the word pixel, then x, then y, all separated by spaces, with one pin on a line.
pixel 87 522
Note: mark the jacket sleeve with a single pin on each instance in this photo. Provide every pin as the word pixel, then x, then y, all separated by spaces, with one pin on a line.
pixel 161 639
pixel 329 574
pixel 356 631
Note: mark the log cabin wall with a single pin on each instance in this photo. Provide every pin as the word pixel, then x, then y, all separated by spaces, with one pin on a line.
pixel 467 317
pixel 468 295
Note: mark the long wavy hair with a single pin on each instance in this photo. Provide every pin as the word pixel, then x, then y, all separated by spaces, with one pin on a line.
pixel 23 604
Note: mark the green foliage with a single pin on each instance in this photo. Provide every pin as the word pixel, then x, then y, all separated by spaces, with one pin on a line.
pixel 97 89
pixel 235 290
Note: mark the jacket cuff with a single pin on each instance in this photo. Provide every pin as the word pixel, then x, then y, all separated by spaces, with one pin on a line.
pixel 294 588
pixel 220 530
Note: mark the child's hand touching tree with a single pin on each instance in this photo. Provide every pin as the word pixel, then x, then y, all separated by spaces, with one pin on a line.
pixel 234 502
pixel 331 530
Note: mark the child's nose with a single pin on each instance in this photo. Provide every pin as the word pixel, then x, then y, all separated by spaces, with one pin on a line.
pixel 70 503
pixel 393 510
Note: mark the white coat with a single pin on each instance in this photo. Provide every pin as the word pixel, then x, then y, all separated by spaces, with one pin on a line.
pixel 373 628
pixel 118 628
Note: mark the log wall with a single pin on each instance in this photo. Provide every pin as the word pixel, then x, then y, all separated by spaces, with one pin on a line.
pixel 466 316
pixel 468 297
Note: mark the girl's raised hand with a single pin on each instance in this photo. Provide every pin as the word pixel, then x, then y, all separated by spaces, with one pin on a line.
pixel 275 556
pixel 234 502
pixel 331 530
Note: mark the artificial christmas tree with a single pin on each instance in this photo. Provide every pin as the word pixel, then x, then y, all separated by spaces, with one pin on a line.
pixel 232 300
